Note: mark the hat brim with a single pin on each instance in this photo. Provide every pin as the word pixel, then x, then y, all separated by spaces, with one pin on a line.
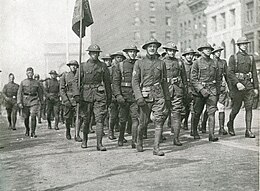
pixel 191 52
pixel 106 58
pixel 218 49
pixel 157 43
pixel 127 49
pixel 114 55
pixel 245 42
pixel 53 73
pixel 94 50
pixel 205 47
pixel 69 64
pixel 171 49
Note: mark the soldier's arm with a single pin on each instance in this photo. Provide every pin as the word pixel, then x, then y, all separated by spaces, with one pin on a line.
pixel 136 80
pixel 63 88
pixel 75 86
pixel 117 81
pixel 164 82
pixel 107 83
pixel 254 74
pixel 194 76
pixel 184 75
pixel 20 94
pixel 40 91
pixel 231 71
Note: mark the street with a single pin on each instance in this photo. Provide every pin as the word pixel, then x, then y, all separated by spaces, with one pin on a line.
pixel 51 162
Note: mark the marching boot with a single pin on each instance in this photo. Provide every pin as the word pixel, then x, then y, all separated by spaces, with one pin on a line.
pixel 176 120
pixel 49 123
pixel 186 118
pixel 111 135
pixel 129 126
pixel 27 129
pixel 33 127
pixel 230 126
pixel 14 118
pixel 134 133
pixel 145 132
pixel 84 141
pixel 211 123
pixel 191 124
pixel 68 123
pixel 221 117
pixel 195 123
pixel 139 145
pixel 121 133
pixel 9 118
pixel 204 122
pixel 56 121
pixel 156 149
pixel 99 134
pixel 248 133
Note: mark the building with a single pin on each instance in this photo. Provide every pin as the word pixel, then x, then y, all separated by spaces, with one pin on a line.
pixel 224 24
pixel 251 26
pixel 132 22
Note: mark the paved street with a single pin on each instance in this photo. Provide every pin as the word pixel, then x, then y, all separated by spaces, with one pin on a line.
pixel 50 162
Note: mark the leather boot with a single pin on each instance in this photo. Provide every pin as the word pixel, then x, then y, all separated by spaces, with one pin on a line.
pixel 248 133
pixel 156 149
pixel 99 134
pixel 33 127
pixel 169 124
pixel 111 135
pixel 68 123
pixel 122 126
pixel 56 121
pixel 176 121
pixel 84 141
pixel 145 132
pixel 230 126
pixel 211 123
pixel 195 123
pixel 186 118
pixel 49 124
pixel 139 145
pixel 221 117
pixel 134 133
pixel 27 129
pixel 204 122
pixel 191 124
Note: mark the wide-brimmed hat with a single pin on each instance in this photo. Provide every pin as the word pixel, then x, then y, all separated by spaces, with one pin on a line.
pixel 188 51
pixel 73 62
pixel 131 47
pixel 53 72
pixel 151 41
pixel 29 69
pixel 217 48
pixel 107 56
pixel 205 46
pixel 242 40
pixel 94 48
pixel 118 53
pixel 171 46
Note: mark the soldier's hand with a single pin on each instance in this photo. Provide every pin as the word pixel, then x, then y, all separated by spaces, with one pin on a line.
pixel 20 105
pixel 204 93
pixel 77 98
pixel 120 99
pixel 141 102
pixel 240 86
pixel 256 92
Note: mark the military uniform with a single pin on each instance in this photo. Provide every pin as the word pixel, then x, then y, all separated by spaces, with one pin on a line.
pixel 205 79
pixel 151 91
pixel 10 96
pixel 95 95
pixel 53 100
pixel 29 97
pixel 242 70
pixel 122 89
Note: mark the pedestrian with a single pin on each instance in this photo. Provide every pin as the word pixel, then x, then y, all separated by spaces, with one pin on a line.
pixel 244 86
pixel 205 80
pixel 177 82
pixel 53 99
pixel 10 96
pixel 151 91
pixel 29 97
pixel 68 101
pixel 94 95
pixel 123 91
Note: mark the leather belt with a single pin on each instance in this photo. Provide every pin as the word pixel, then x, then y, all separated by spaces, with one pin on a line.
pixel 244 76
pixel 126 84
pixel 173 80
pixel 208 83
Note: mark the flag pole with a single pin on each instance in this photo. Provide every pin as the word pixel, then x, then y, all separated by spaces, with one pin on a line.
pixel 80 51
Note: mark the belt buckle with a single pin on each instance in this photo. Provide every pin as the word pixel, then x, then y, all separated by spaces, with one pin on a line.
pixel 14 97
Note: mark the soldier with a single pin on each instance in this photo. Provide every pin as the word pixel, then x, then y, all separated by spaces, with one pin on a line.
pixel 66 93
pixel 53 100
pixel 151 91
pixel 28 97
pixel 243 82
pixel 206 81
pixel 122 87
pixel 177 82
pixel 95 94
pixel 10 96
pixel 188 61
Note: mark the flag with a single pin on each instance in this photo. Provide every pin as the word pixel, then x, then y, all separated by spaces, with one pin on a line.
pixel 86 17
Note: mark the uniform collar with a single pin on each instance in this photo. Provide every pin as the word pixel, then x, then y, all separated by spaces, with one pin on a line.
pixel 151 57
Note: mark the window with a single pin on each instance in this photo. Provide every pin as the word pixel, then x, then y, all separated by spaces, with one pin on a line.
pixel 167 35
pixel 214 23
pixel 167 6
pixel 137 36
pixel 136 6
pixel 223 22
pixel 152 34
pixel 224 46
pixel 232 17
pixel 152 6
pixel 137 21
pixel 250 37
pixel 168 21
pixel 249 12
pixel 233 46
pixel 152 20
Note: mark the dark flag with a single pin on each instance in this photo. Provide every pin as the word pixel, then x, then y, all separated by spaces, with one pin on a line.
pixel 86 17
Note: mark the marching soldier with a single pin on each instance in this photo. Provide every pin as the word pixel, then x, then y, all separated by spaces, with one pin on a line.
pixel 66 93
pixel 95 94
pixel 188 61
pixel 10 96
pixel 53 99
pixel 28 97
pixel 243 82
pixel 206 82
pixel 151 91
pixel 122 86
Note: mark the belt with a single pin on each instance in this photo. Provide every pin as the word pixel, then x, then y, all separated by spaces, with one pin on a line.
pixel 208 83
pixel 173 80
pixel 243 76
pixel 30 94
pixel 126 84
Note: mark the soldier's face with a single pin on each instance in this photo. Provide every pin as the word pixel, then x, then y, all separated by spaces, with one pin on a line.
pixel 73 68
pixel 107 62
pixel 11 78
pixel 132 54
pixel 119 58
pixel 206 51
pixel 243 46
pixel 189 57
pixel 30 74
pixel 94 55
pixel 53 76
pixel 152 49
pixel 217 54
pixel 170 52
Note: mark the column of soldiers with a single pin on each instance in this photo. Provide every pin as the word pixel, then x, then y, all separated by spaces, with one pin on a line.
pixel 152 88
